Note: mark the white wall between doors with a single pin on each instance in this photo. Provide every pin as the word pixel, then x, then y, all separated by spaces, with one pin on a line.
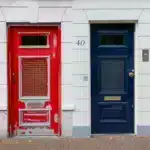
pixel 74 17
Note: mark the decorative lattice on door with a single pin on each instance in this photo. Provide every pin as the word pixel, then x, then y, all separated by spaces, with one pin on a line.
pixel 34 76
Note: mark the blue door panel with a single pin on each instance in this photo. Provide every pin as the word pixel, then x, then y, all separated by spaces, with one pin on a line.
pixel 112 89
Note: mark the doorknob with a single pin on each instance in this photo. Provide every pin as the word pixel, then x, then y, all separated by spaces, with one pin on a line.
pixel 131 74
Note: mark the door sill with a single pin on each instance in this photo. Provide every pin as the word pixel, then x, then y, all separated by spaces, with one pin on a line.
pixel 35 137
pixel 108 134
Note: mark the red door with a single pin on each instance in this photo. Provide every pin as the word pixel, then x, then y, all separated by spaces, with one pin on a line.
pixel 34 80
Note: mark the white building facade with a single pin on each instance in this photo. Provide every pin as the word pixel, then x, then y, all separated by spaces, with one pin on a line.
pixel 123 27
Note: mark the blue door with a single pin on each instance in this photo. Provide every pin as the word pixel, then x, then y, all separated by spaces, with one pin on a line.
pixel 112 78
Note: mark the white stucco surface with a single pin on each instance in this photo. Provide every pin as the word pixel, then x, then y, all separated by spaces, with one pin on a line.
pixel 74 17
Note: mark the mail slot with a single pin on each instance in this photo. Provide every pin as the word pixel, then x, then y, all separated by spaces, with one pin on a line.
pixel 112 98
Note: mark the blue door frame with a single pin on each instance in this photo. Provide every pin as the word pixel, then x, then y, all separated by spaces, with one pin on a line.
pixel 112 78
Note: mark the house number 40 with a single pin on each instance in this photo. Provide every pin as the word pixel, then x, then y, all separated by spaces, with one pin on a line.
pixel 80 42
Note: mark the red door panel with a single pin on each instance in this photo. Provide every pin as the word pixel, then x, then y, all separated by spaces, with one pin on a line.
pixel 34 80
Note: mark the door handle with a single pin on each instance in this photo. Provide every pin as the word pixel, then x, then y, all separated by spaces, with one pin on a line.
pixel 131 74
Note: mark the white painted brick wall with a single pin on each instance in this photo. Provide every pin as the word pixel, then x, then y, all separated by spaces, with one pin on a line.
pixel 3 32
pixel 66 58
pixel 4 122
pixel 12 14
pixel 80 67
pixel 67 15
pixel 80 30
pixel 143 30
pixel 114 14
pixel 107 4
pixel 74 17
pixel 84 37
pixel 81 118
pixel 112 11
pixel 66 31
pixel 47 14
pixel 144 105
pixel 143 42
pixel 3 95
pixel 80 92
pixel 144 92
pixel 13 11
pixel 3 54
pixel 144 67
pixel 143 118
pixel 81 105
pixel 79 16
pixel 3 75
pixel 66 74
pixel 66 48
pixel 66 94
pixel 144 18
pixel 79 80
pixel 67 123
pixel 143 81
pixel 80 55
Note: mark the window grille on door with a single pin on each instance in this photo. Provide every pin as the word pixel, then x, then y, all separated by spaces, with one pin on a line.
pixel 34 77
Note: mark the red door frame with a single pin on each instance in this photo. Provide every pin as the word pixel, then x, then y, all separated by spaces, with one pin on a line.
pixel 9 75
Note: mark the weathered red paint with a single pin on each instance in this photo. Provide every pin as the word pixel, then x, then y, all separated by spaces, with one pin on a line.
pixel 59 83
pixel 13 81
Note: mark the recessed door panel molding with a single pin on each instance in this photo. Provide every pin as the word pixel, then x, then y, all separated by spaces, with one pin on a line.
pixel 34 117
pixel 32 71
